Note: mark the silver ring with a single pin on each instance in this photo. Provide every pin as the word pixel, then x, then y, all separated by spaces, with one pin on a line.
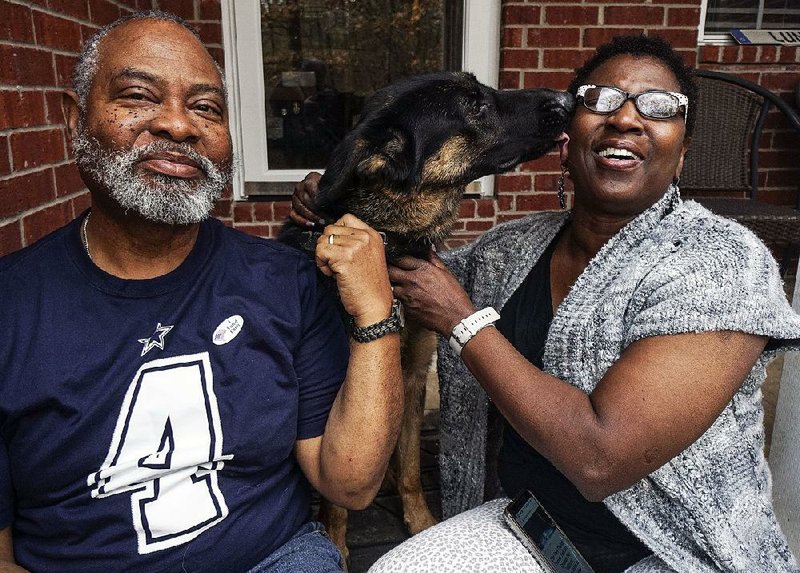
pixel 330 238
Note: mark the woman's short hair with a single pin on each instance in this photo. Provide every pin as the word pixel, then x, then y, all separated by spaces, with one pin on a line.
pixel 644 46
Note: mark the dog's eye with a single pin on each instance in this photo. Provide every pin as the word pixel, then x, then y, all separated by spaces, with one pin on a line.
pixel 482 109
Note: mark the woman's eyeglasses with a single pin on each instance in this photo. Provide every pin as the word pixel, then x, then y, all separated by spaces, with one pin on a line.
pixel 654 104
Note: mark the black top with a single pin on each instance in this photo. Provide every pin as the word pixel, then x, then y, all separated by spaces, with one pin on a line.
pixel 607 545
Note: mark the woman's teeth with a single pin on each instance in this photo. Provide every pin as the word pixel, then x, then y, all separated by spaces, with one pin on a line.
pixel 617 153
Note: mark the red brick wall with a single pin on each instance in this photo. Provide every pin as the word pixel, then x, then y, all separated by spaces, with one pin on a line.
pixel 542 42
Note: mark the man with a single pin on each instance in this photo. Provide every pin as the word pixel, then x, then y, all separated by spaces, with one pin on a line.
pixel 169 387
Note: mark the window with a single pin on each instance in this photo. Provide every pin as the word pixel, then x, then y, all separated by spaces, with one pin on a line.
pixel 298 72
pixel 720 16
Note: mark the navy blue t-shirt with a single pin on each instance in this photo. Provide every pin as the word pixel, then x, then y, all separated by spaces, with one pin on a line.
pixel 149 425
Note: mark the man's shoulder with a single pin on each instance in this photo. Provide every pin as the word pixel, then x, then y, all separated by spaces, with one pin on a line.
pixel 38 254
pixel 263 258
pixel 256 244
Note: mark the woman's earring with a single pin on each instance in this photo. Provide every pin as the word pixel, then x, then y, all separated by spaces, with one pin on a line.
pixel 562 198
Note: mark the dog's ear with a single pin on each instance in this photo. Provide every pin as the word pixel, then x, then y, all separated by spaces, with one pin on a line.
pixel 368 156
pixel 340 171
pixel 390 159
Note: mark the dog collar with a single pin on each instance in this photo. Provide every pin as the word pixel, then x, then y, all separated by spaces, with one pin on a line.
pixel 394 245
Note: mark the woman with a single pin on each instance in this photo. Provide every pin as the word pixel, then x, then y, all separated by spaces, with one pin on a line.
pixel 627 360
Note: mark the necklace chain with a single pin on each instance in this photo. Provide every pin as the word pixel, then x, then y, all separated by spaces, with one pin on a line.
pixel 85 237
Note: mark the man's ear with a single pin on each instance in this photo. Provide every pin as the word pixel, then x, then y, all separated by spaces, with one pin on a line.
pixel 71 110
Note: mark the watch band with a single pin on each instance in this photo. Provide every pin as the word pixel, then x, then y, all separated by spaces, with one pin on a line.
pixel 394 323
pixel 470 326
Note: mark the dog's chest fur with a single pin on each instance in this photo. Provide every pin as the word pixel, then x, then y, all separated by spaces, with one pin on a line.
pixel 415 215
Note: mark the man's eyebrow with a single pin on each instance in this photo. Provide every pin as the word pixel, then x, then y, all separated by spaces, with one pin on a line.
pixel 134 74
pixel 206 88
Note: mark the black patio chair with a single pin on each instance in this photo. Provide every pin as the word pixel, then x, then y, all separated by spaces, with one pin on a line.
pixel 721 170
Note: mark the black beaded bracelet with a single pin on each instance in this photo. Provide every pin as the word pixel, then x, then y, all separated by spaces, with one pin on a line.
pixel 394 323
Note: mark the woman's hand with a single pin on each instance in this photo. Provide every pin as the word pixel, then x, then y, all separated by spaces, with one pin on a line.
pixel 303 202
pixel 430 294
pixel 352 253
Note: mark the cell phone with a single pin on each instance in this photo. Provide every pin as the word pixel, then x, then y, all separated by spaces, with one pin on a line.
pixel 537 531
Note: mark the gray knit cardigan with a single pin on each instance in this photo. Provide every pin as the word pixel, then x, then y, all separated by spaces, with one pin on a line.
pixel 676 268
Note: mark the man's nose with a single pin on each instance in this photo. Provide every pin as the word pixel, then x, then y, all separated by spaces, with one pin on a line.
pixel 174 122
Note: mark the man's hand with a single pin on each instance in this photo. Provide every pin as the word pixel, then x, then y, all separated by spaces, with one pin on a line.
pixel 7 563
pixel 352 253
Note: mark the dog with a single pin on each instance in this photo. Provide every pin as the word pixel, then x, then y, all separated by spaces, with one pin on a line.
pixel 403 170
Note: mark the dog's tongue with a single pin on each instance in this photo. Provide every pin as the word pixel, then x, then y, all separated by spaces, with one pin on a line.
pixel 563 147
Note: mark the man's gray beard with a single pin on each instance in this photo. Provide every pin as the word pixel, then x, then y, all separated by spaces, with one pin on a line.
pixel 155 197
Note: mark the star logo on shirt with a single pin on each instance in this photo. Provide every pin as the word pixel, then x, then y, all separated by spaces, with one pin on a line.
pixel 155 340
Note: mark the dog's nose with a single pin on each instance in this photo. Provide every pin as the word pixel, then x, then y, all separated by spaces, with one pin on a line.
pixel 559 104
pixel 567 100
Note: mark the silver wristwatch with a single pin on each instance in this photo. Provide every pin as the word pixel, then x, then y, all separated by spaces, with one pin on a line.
pixel 381 328
pixel 470 326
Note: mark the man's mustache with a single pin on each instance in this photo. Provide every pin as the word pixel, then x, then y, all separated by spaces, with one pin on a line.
pixel 143 152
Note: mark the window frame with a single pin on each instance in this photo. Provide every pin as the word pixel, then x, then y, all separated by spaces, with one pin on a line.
pixel 244 75
pixel 719 38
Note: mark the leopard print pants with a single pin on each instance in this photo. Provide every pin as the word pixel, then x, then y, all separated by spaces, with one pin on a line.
pixel 476 541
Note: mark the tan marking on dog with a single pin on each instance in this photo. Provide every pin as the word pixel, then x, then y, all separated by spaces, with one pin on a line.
pixel 421 212
pixel 377 161
pixel 449 163
pixel 372 164
pixel 427 211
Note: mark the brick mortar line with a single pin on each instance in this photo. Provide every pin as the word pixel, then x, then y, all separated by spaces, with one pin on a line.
pixel 31 129
pixel 50 12
pixel 62 52
pixel 32 170
pixel 121 5
pixel 40 47
pixel 27 213
pixel 24 88
pixel 20 216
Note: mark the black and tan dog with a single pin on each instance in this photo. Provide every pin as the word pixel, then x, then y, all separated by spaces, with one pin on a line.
pixel 403 170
